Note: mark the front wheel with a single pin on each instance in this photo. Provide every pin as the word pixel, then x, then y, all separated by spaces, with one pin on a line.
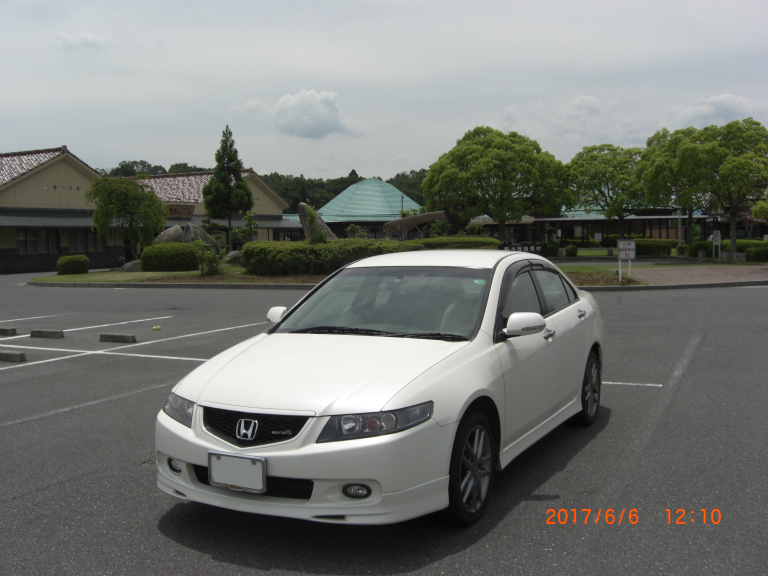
pixel 471 474
pixel 590 390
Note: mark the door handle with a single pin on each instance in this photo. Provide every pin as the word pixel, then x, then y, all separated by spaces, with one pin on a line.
pixel 549 334
pixel 581 314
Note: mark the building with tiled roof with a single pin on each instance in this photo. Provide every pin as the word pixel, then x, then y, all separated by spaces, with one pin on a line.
pixel 44 213
pixel 183 194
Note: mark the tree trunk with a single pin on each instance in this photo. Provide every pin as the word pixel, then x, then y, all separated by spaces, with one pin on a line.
pixel 229 233
pixel 689 228
pixel 732 223
pixel 502 232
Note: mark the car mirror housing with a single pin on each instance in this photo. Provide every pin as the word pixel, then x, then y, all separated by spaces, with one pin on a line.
pixel 276 313
pixel 524 323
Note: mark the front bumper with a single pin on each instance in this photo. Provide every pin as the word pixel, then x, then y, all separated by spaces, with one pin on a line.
pixel 406 471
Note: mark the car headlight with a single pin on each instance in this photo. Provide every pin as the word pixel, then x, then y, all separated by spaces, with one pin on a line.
pixel 351 426
pixel 180 409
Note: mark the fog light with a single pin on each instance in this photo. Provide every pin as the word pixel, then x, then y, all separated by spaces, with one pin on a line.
pixel 356 491
pixel 174 466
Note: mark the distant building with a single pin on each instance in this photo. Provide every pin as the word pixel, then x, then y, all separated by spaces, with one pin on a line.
pixel 44 214
pixel 183 194
pixel 369 204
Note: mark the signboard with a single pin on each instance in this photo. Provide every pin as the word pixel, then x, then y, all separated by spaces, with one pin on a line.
pixel 627 250
pixel 181 211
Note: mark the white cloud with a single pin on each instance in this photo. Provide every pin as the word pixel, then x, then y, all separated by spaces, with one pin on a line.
pixel 312 114
pixel 718 110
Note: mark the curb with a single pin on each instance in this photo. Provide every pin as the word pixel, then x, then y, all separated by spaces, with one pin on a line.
pixel 170 285
pixel 734 284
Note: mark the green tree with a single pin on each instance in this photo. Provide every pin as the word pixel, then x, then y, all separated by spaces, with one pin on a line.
pixel 666 180
pixel 731 164
pixel 505 176
pixel 760 210
pixel 227 192
pixel 131 168
pixel 183 167
pixel 603 180
pixel 409 183
pixel 128 204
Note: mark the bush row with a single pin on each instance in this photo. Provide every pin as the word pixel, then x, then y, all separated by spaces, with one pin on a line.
pixel 76 264
pixel 654 247
pixel 293 258
pixel 741 246
pixel 440 242
pixel 757 254
pixel 170 257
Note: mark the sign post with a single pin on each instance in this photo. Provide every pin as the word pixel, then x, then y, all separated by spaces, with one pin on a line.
pixel 627 252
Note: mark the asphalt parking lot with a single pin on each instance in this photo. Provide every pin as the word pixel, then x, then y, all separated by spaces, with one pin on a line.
pixel 681 438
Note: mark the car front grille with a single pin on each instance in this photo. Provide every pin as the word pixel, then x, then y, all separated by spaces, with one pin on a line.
pixel 294 488
pixel 271 428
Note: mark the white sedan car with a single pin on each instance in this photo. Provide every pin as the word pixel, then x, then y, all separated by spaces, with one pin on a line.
pixel 393 389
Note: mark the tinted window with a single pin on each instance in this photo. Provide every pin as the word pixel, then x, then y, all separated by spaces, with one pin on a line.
pixel 521 297
pixel 554 291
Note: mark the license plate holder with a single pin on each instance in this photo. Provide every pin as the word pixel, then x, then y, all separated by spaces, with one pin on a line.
pixel 235 472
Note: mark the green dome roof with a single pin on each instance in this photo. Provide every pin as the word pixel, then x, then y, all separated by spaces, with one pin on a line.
pixel 371 200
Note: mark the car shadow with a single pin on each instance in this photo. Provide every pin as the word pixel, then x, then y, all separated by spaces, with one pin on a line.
pixel 285 545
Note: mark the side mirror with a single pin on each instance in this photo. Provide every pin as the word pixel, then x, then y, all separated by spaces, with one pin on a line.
pixel 524 323
pixel 276 313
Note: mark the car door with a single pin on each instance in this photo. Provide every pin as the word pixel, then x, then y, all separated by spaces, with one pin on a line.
pixel 527 361
pixel 569 344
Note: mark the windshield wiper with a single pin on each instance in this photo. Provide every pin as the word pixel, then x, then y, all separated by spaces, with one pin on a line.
pixel 340 330
pixel 434 336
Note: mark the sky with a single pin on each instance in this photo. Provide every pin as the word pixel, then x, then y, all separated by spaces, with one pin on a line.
pixel 320 87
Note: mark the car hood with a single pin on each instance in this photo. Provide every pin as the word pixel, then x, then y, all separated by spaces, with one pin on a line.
pixel 316 374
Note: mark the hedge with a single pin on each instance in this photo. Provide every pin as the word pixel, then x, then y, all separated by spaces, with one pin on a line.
pixel 440 242
pixel 551 250
pixel 682 250
pixel 654 247
pixel 296 258
pixel 757 254
pixel 571 251
pixel 76 264
pixel 170 257
pixel 741 246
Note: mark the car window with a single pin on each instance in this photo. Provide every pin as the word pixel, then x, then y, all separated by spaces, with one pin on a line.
pixel 569 290
pixel 553 289
pixel 521 297
pixel 399 300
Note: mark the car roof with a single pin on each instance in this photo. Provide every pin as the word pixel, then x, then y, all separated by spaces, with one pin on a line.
pixel 452 258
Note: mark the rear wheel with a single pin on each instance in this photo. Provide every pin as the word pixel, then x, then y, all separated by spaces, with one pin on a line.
pixel 473 461
pixel 590 390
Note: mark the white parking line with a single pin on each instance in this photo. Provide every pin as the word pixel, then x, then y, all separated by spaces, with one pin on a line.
pixel 38 317
pixel 632 384
pixel 112 351
pixel 84 405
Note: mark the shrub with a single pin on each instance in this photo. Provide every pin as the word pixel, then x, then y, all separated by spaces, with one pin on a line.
pixel 696 247
pixel 757 254
pixel 571 251
pixel 592 243
pixel 654 247
pixel 355 231
pixel 76 264
pixel 742 245
pixel 455 242
pixel 170 257
pixel 474 228
pixel 682 250
pixel 551 250
pixel 298 258
pixel 613 240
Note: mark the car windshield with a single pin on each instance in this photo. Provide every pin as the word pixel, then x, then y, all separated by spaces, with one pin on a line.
pixel 409 302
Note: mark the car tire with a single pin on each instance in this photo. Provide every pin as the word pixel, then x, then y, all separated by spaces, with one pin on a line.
pixel 473 461
pixel 590 391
